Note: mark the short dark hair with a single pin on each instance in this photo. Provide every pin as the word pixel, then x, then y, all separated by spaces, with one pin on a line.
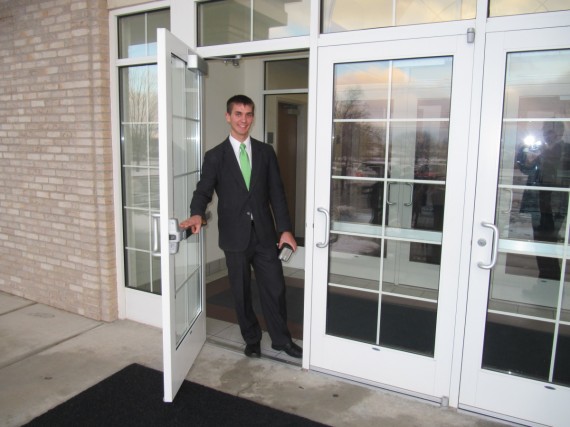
pixel 239 99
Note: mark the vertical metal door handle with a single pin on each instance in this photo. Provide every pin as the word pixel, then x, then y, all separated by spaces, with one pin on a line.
pixel 327 228
pixel 155 235
pixel 411 202
pixel 495 246
pixel 388 202
pixel 506 211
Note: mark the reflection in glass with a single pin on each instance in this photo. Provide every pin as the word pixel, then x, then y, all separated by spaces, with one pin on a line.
pixel 417 279
pixel 136 185
pixel 234 21
pixel 359 149
pixel 359 202
pixel 137 33
pixel 139 142
pixel 221 22
pixel 361 90
pixel 419 150
pixel 516 7
pixel 347 15
pixel 388 181
pixel 515 288
pixel 274 19
pixel 527 307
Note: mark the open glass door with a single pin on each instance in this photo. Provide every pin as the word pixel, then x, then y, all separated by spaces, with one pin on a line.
pixel 386 281
pixel 180 124
pixel 517 338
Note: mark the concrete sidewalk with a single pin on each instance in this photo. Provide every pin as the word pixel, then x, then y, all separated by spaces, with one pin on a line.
pixel 48 355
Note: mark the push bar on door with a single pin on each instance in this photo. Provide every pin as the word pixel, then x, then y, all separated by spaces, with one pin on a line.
pixel 176 235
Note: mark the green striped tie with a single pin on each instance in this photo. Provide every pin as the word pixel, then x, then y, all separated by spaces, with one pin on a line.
pixel 244 164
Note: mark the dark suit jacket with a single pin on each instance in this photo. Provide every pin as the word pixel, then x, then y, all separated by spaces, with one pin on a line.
pixel 265 200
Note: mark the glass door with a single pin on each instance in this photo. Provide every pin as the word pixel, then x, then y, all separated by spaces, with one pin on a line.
pixel 386 233
pixel 180 123
pixel 517 346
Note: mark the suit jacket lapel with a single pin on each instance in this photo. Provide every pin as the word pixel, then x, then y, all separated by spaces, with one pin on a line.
pixel 256 160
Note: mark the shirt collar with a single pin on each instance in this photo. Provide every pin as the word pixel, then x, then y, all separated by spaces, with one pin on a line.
pixel 236 143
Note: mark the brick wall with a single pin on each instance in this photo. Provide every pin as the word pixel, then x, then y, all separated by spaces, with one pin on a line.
pixel 56 181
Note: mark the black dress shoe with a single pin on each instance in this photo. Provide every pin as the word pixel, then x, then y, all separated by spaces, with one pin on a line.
pixel 290 348
pixel 252 350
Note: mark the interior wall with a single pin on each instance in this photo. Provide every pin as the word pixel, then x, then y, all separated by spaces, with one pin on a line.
pixel 222 82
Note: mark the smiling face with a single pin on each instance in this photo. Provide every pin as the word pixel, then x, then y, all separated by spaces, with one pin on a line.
pixel 240 120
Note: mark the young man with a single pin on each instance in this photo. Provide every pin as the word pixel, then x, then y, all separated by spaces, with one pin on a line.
pixel 253 222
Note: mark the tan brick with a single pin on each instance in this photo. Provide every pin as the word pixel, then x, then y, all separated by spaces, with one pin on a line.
pixel 55 155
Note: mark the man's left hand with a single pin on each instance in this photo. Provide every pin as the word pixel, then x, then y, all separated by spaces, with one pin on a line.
pixel 287 237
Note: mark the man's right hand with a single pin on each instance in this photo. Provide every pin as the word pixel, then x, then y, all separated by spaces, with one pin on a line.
pixel 194 223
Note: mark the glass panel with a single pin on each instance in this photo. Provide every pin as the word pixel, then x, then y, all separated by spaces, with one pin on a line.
pixel 352 314
pixel 137 228
pixel 361 90
pixel 226 21
pixel 515 7
pixel 156 284
pixel 193 144
pixel 155 20
pixel 526 300
pixel 565 314
pixel 507 343
pixel 185 174
pixel 230 21
pixel 139 114
pixel 356 202
pixel 426 11
pixel 408 325
pixel 143 271
pixel 188 305
pixel 137 33
pixel 280 18
pixel 139 140
pixel 418 279
pixel 515 288
pixel 287 74
pixel 154 195
pixel 136 187
pixel 347 15
pixel 562 361
pixel 395 113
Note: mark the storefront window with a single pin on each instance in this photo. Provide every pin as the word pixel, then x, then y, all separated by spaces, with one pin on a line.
pixel 347 15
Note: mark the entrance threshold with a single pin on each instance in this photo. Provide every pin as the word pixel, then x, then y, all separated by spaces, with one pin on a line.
pixel 227 335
